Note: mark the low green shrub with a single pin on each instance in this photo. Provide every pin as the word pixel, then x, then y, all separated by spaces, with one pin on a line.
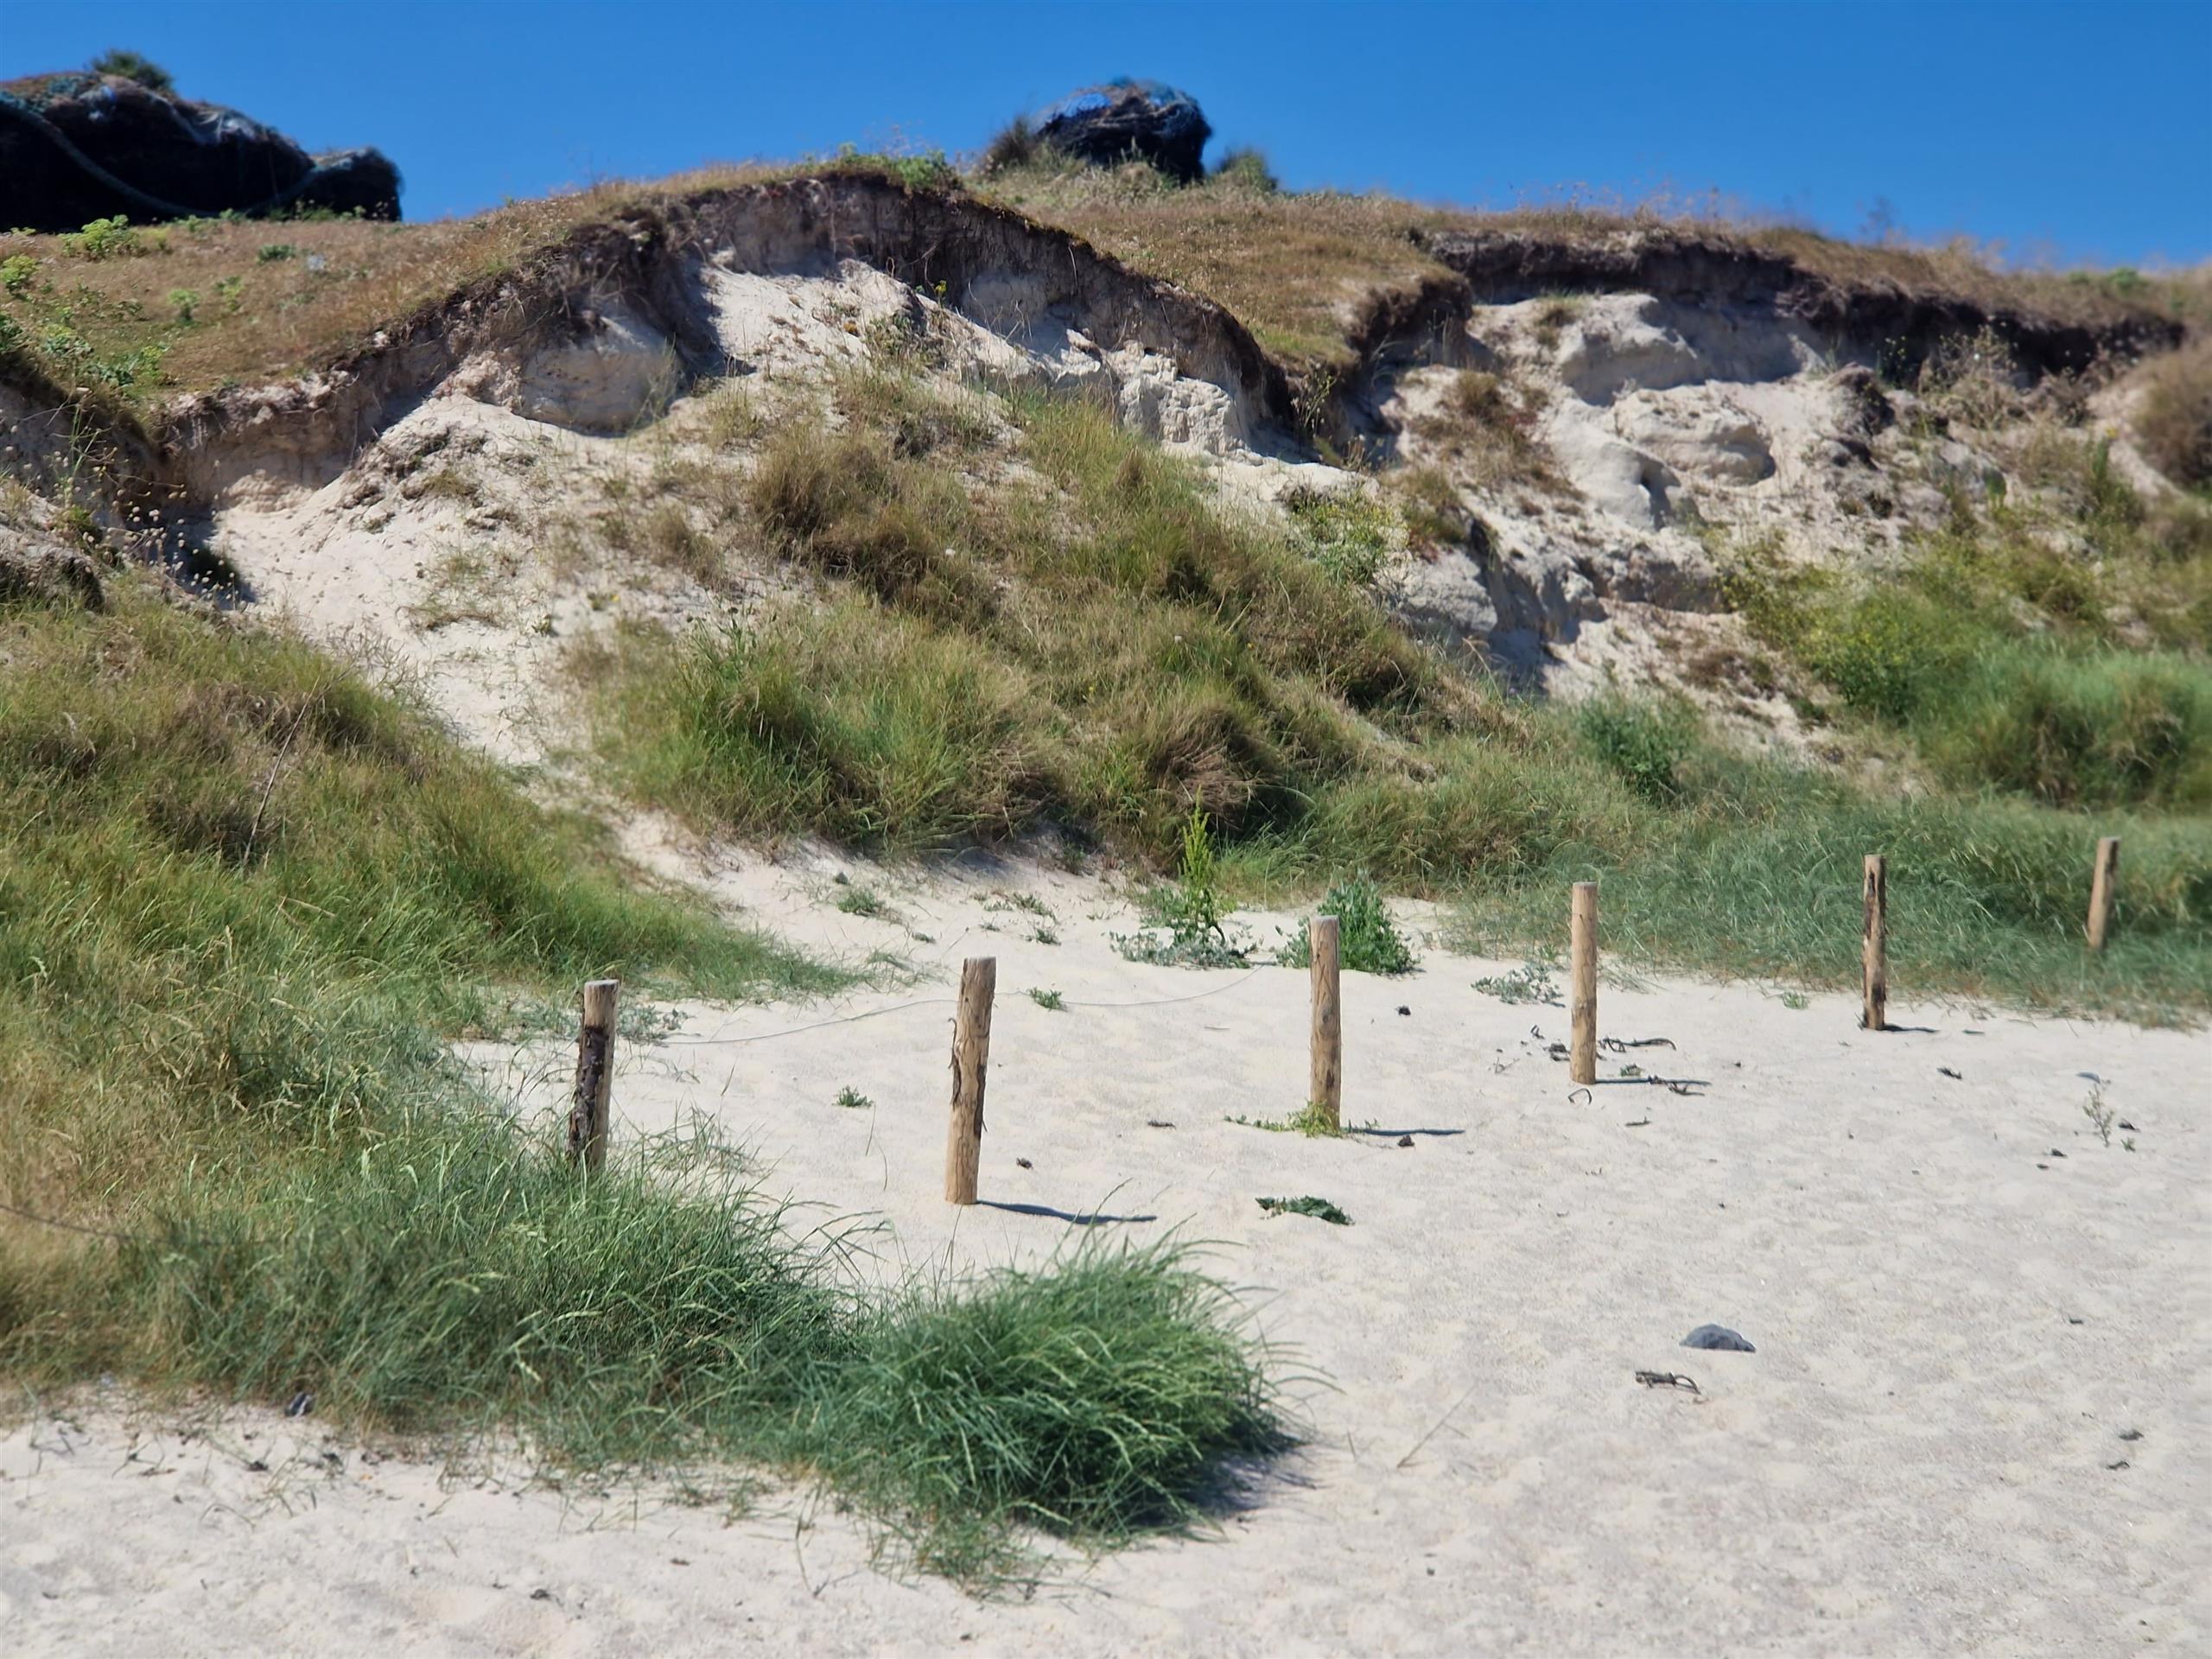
pixel 1192 911
pixel 1350 534
pixel 1368 941
pixel 1642 744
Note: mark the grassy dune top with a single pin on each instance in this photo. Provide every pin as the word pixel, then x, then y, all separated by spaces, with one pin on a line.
pixel 152 310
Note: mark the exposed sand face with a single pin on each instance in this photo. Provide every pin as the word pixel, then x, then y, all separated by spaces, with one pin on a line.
pixel 1914 1461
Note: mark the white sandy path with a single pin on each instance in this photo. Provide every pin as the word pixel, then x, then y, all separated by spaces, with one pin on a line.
pixel 1915 1461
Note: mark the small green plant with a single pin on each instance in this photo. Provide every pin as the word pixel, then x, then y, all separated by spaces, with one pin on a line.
pixel 2101 1117
pixel 863 901
pixel 271 252
pixel 1044 999
pixel 1312 1120
pixel 1350 533
pixel 1045 933
pixel 1530 982
pixel 1368 941
pixel 182 300
pixel 1320 1208
pixel 103 239
pixel 851 1100
pixel 1796 999
pixel 1192 911
pixel 16 273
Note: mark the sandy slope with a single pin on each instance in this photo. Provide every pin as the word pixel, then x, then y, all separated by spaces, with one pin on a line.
pixel 1954 1327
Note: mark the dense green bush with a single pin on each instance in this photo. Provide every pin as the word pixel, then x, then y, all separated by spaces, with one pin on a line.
pixel 1643 746
pixel 1368 941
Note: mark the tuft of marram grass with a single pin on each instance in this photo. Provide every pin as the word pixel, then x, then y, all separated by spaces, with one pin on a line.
pixel 1109 1393
pixel 454 1278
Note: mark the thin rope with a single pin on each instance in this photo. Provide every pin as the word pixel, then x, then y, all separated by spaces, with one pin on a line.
pixel 1195 996
pixel 70 1226
pixel 936 1003
pixel 819 1025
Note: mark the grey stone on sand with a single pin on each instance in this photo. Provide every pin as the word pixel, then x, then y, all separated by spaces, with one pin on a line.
pixel 1718 1336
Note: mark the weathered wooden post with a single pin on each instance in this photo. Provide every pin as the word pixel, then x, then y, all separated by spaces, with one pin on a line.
pixel 1874 946
pixel 1326 1084
pixel 1582 1002
pixel 2101 877
pixel 594 1074
pixel 971 1058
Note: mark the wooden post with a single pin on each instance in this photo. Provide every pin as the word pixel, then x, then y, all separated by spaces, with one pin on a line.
pixel 1582 1003
pixel 594 1074
pixel 1326 1084
pixel 1873 962
pixel 2101 881
pixel 971 1058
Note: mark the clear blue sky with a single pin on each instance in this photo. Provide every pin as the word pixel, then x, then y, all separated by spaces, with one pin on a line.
pixel 2071 130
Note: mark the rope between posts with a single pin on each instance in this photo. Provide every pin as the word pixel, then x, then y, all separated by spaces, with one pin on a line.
pixel 71 1226
pixel 936 1003
pixel 1195 996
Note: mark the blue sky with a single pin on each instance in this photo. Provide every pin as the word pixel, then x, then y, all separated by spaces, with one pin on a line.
pixel 2068 132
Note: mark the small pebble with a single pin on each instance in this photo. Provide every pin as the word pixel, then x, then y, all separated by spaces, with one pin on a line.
pixel 1403 1009
pixel 2131 1433
pixel 1721 1337
pixel 1025 1163
pixel 1405 1140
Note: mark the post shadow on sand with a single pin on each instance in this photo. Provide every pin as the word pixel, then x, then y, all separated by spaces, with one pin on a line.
pixel 1399 1135
pixel 1091 1219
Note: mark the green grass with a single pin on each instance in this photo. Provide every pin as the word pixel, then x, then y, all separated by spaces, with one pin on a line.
pixel 243 891
pixel 454 1276
pixel 2056 648
pixel 246 901
pixel 1368 941
pixel 1101 647
pixel 1988 897
pixel 1112 1391
pixel 1098 648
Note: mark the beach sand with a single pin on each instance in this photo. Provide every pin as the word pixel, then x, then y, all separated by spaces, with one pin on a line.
pixel 1962 1299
